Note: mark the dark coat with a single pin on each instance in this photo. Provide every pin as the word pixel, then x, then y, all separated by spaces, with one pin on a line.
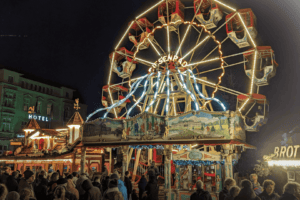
pixel 152 190
pixel 113 194
pixel 68 196
pixel 12 184
pixel 247 194
pixel 128 185
pixel 287 196
pixel 224 193
pixel 91 192
pixel 142 186
pixel 264 196
pixel 134 196
pixel 98 185
pixel 24 184
pixel 41 192
pixel 4 177
pixel 201 195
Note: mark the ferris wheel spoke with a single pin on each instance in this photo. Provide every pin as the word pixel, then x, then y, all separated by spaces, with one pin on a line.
pixel 196 46
pixel 179 42
pixel 145 62
pixel 219 68
pixel 168 23
pixel 196 43
pixel 224 24
pixel 247 31
pixel 223 4
pixel 149 9
pixel 155 42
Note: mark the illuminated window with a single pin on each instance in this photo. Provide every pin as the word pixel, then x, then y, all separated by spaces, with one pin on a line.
pixel 10 79
pixel 49 109
pixel 39 107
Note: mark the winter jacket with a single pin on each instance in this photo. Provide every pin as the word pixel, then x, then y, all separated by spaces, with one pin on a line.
pixel 142 186
pixel 74 179
pixel 41 192
pixel 128 185
pixel 98 185
pixel 122 189
pixel 247 194
pixel 264 196
pixel 68 195
pixel 78 185
pixel 152 190
pixel 113 194
pixel 4 177
pixel 24 184
pixel 229 197
pixel 201 195
pixel 257 188
pixel 224 193
pixel 134 196
pixel 12 184
pixel 287 196
pixel 91 192
pixel 71 188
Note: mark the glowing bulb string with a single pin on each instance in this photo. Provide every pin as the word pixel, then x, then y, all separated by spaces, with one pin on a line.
pixel 168 91
pixel 156 92
pixel 141 97
pixel 201 95
pixel 188 91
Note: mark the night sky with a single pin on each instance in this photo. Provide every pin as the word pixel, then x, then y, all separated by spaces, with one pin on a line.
pixel 68 42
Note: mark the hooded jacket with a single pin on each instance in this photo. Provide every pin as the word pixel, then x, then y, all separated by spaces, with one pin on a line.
pixel 128 185
pixel 224 193
pixel 12 184
pixel 4 177
pixel 201 194
pixel 71 188
pixel 142 186
pixel 264 196
pixel 122 189
pixel 113 194
pixel 91 192
pixel 247 194
pixel 24 184
pixel 152 189
pixel 287 196
pixel 79 185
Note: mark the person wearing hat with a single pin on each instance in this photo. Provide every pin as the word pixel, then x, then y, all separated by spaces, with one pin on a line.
pixel 41 190
pixel 121 185
pixel 62 183
pixel 113 193
pixel 27 181
pixel 79 182
pixel 12 183
pixel 91 192
pixel 13 195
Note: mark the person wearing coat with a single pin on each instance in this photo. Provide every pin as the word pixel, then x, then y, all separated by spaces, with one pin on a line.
pixel 152 188
pixel 142 186
pixel 41 190
pixel 233 192
pixel 97 184
pixel 200 194
pixel 27 181
pixel 268 193
pixel 247 192
pixel 128 184
pixel 71 188
pixel 256 186
pixel 79 182
pixel 91 192
pixel 12 183
pixel 121 185
pixel 291 191
pixel 229 182
pixel 112 192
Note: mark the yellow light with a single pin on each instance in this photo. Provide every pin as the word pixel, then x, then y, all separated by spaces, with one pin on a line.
pixel 149 9
pixel 76 126
pixel 253 73
pixel 154 47
pixel 61 129
pixel 244 104
pixel 175 150
pixel 284 163
pixel 173 99
pixel 46 160
pixel 144 61
pixel 168 38
pixel 29 130
pixel 247 30
pixel 124 35
pixel 183 39
pixel 205 61
pixel 194 145
pixel 225 5
pixel 34 135
pixel 207 37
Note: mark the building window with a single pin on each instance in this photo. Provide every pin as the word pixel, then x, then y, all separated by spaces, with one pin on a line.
pixel 5 148
pixel 6 127
pixel 49 109
pixel 35 87
pixel 43 90
pixel 67 94
pixel 31 86
pixel 51 91
pixel 22 84
pixel 39 107
pixel 47 90
pixel 26 104
pixel 10 79
pixel 39 89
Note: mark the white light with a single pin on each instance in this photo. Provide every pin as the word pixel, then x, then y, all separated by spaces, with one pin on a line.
pixel 153 46
pixel 207 37
pixel 244 104
pixel 46 160
pixel 225 5
pixel 168 34
pixel 174 105
pixel 109 79
pixel 136 58
pixel 253 73
pixel 34 135
pixel 247 30
pixel 149 9
pixel 284 163
pixel 168 91
pixel 75 126
pixel 156 92
pixel 205 61
pixel 124 35
pixel 183 39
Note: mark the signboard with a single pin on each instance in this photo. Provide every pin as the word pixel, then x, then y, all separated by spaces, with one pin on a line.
pixel 286 152
pixel 38 117
pixel 16 143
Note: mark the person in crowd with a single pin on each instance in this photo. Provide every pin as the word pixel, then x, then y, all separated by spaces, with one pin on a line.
pixel 97 183
pixel 200 194
pixel 5 175
pixel 268 193
pixel 60 193
pixel 142 186
pixel 27 181
pixel 152 187
pixel 41 191
pixel 79 182
pixel 70 176
pixel 229 182
pixel 53 182
pixel 256 186
pixel 3 192
pixel 104 183
pixel 233 192
pixel 121 185
pixel 13 195
pixel 26 194
pixel 128 184
pixel 71 188
pixel 291 191
pixel 247 192
pixel 62 183
pixel 75 177
pixel 153 168
pixel 20 176
pixel 91 192
pixel 113 193
pixel 134 195
pixel 12 183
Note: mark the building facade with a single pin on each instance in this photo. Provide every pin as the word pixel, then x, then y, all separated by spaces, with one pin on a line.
pixel 53 106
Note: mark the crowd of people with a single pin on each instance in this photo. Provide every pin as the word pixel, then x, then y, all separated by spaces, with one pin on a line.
pixel 50 185
pixel 44 185
pixel 249 190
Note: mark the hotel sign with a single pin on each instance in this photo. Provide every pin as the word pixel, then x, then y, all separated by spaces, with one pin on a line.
pixel 38 117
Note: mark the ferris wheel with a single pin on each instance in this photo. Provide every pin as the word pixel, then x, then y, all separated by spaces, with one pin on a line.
pixel 173 58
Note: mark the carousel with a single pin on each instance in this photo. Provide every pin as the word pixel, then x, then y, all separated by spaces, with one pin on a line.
pixel 171 97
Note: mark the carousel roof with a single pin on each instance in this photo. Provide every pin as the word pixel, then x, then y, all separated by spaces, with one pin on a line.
pixel 76 119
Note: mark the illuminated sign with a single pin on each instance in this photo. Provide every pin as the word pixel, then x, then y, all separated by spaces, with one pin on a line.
pixel 289 152
pixel 38 117
pixel 170 58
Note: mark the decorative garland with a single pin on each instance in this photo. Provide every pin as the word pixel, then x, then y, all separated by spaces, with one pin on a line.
pixel 146 146
pixel 200 162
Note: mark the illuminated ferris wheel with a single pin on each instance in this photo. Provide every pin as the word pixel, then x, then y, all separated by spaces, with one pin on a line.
pixel 173 58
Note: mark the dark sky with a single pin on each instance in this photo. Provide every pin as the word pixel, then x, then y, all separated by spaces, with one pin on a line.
pixel 68 42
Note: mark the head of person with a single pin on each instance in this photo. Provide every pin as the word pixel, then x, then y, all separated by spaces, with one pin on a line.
pixel 13 195
pixel 43 173
pixel 70 176
pixel 153 163
pixel 59 192
pixel 29 176
pixel 75 174
pixel 199 185
pixel 292 188
pixel 113 181
pixel 7 170
pixel 253 178
pixel 25 194
pixel 97 179
pixel 127 173
pixel 3 192
pixel 269 186
pixel 246 184
pixel 84 175
pixel 15 174
pixel 54 177
pixel 229 182
pixel 234 191
pixel 62 182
